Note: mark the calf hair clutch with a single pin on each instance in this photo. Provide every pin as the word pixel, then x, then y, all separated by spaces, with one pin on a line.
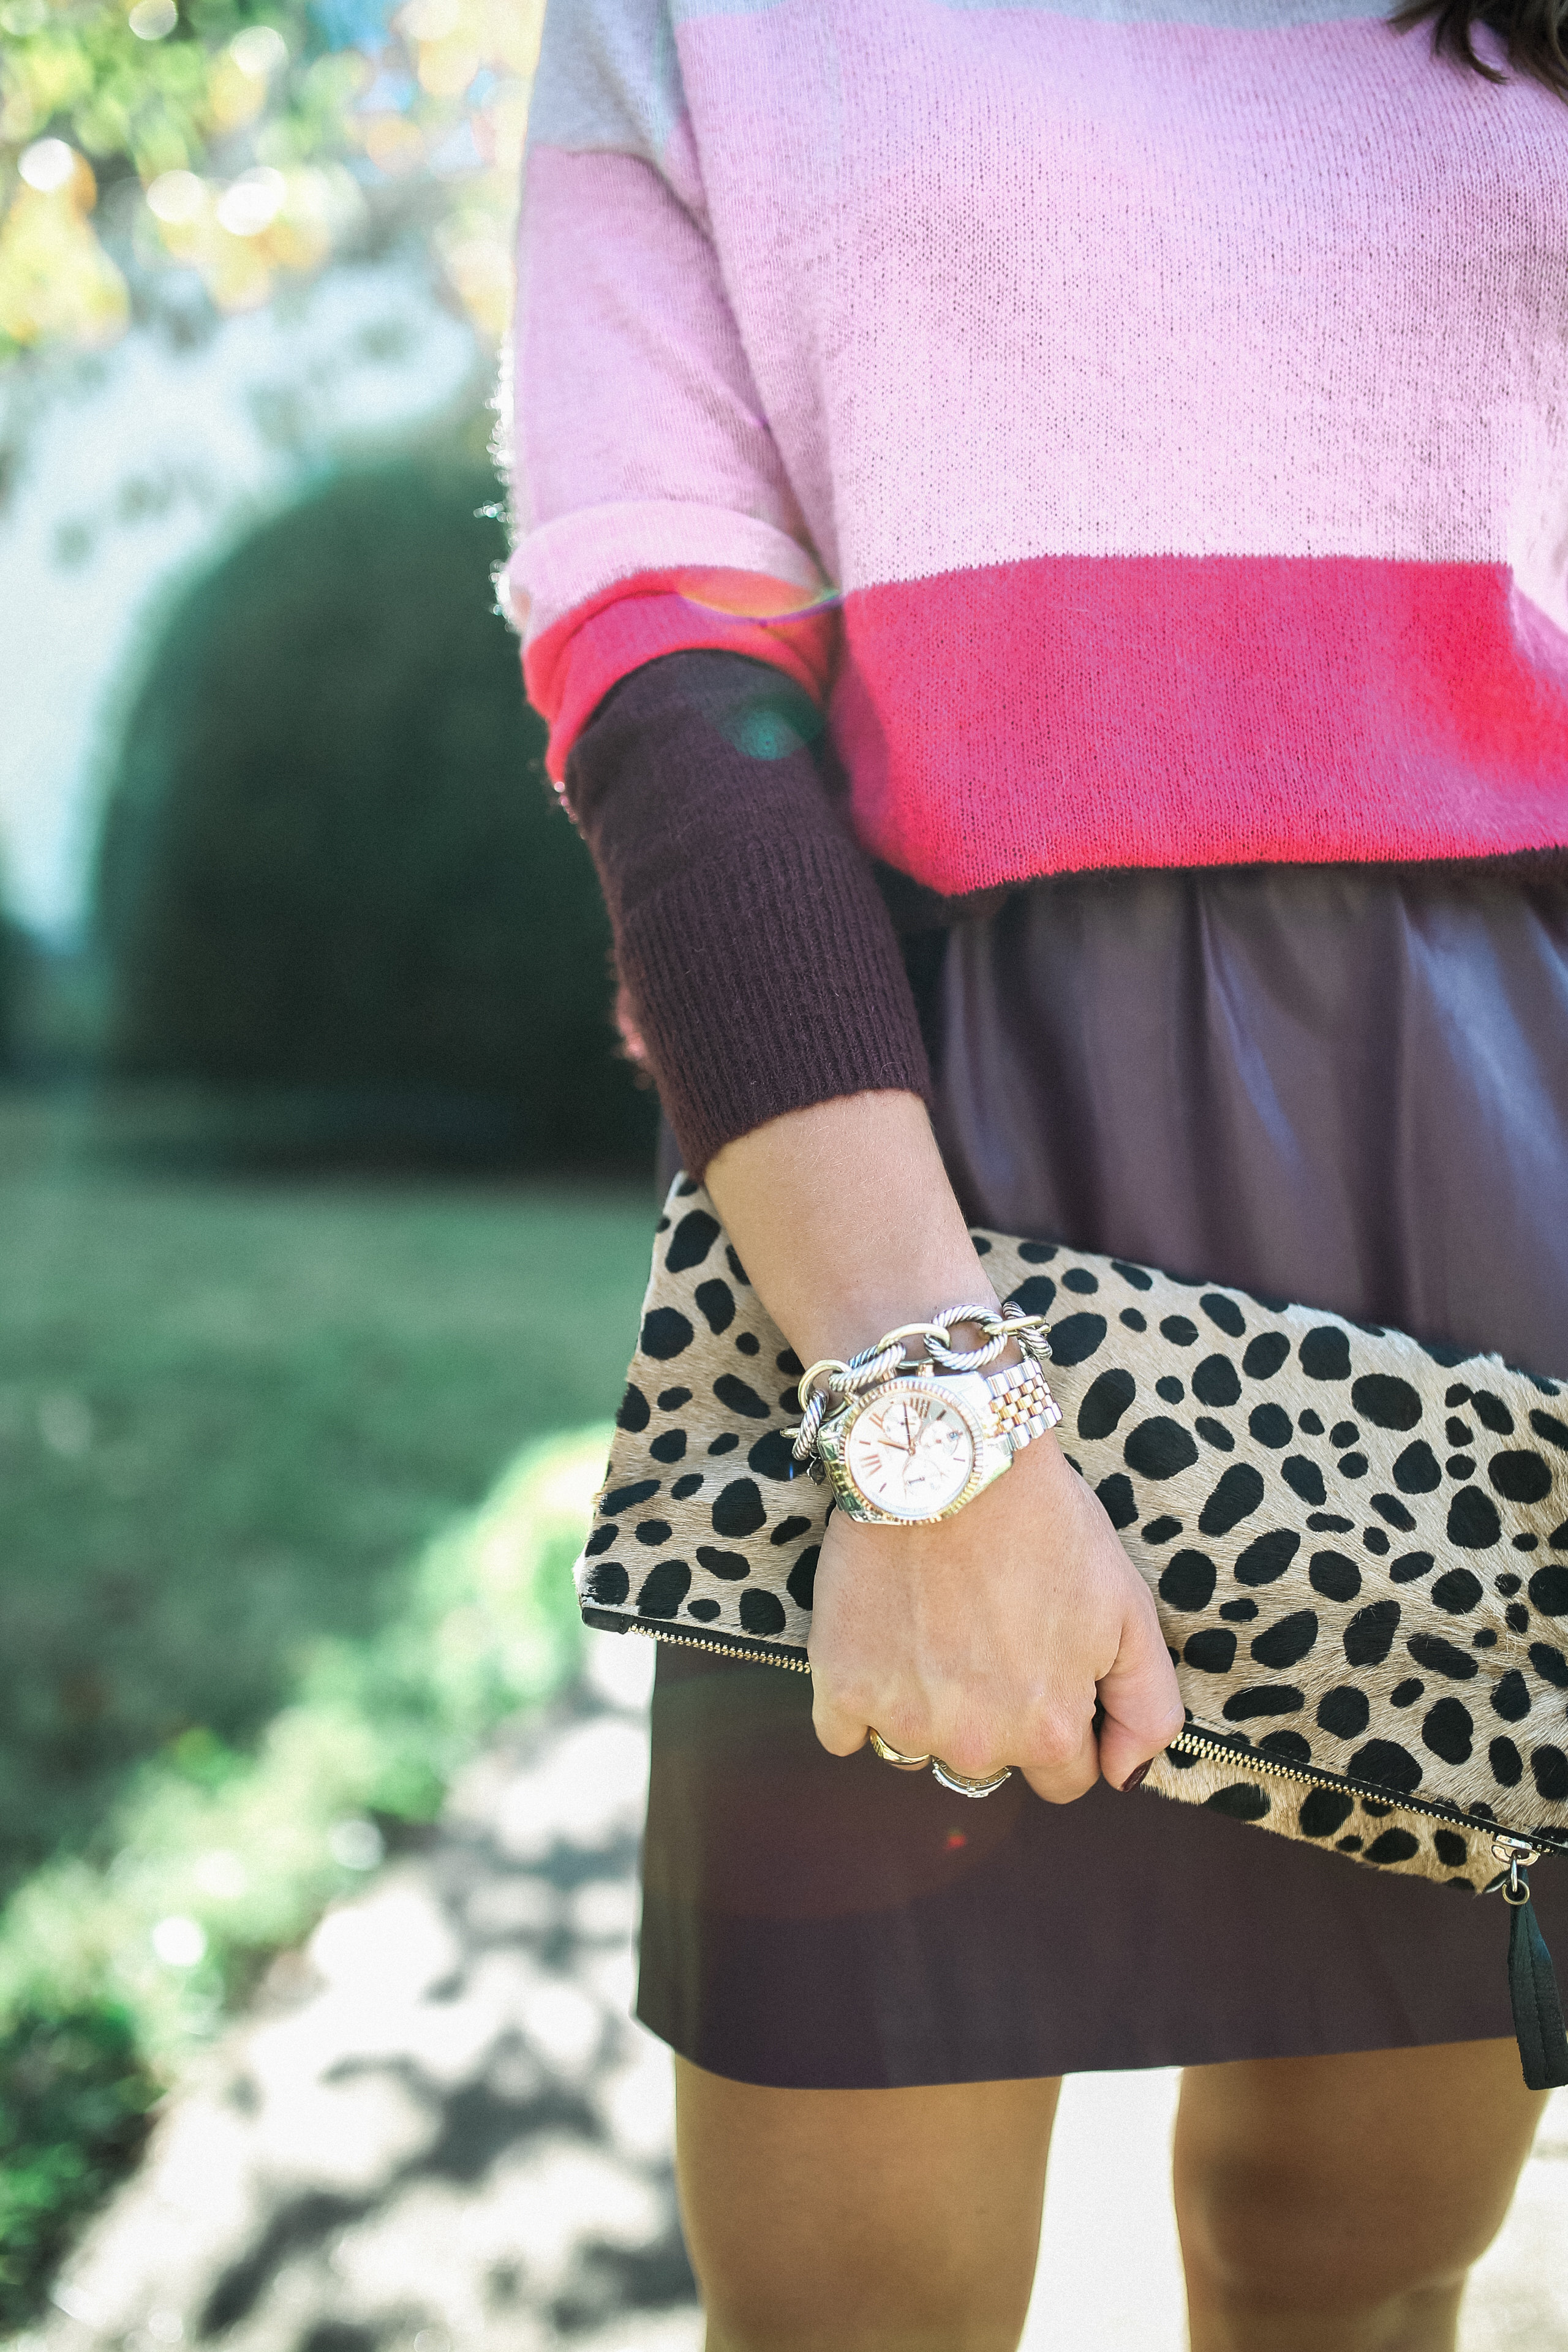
pixel 1357 1544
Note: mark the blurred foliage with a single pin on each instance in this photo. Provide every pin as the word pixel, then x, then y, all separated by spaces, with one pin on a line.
pixel 329 857
pixel 75 2091
pixel 240 141
pixel 231 1417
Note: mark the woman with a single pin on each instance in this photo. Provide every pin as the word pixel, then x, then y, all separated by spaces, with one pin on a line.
pixel 1099 473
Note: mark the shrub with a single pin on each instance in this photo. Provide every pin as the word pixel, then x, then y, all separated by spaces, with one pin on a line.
pixel 330 858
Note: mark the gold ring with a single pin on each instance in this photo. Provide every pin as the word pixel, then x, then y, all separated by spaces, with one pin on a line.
pixel 962 1785
pixel 893 1756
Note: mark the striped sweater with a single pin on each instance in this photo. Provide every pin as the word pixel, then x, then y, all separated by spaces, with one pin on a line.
pixel 1141 424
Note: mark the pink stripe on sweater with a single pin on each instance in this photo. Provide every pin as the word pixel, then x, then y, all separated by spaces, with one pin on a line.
pixel 1361 710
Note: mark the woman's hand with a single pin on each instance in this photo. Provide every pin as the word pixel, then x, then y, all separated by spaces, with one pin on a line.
pixel 990 1638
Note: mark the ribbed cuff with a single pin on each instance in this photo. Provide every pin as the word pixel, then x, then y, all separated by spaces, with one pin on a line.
pixel 752 940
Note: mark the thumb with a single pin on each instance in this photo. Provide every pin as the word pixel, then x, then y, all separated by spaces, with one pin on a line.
pixel 1140 1705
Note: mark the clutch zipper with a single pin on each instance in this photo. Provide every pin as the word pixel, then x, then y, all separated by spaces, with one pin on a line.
pixel 605 1621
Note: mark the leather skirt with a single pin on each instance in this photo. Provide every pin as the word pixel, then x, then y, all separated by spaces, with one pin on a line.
pixel 1344 1086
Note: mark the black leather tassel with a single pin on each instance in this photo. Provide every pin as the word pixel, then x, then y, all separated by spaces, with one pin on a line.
pixel 1537 2008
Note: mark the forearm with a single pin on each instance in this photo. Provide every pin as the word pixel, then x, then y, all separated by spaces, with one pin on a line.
pixel 845 1223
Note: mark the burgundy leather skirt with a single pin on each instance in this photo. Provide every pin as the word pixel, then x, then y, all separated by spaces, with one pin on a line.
pixel 1349 1086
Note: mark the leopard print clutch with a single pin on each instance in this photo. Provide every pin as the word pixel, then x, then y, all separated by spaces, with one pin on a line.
pixel 1358 1544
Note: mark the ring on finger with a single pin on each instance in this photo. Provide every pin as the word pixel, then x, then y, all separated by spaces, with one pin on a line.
pixel 894 1757
pixel 962 1785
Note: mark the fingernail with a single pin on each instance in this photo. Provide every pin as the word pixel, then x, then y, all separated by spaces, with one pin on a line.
pixel 1136 1779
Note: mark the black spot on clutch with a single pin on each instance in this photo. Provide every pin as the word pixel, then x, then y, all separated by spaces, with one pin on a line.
pixel 1268 1556
pixel 1074 1340
pixel 671 1399
pixel 762 1612
pixel 1211 1651
pixel 1180 1332
pixel 1393 1845
pixel 1507 1583
pixel 1265 1355
pixel 664 1332
pixel 668 1446
pixel 773 1457
pixel 686 1187
pixel 634 1410
pixel 1159 1448
pixel 1310 1423
pixel 1507 1763
pixel 737 1508
pixel 789 1531
pixel 1374 1539
pixel 652 1531
pixel 1224 1312
pixel 1288 1639
pixel 664 1589
pixel 1036 1253
pixel 1324 1812
pixel 1104 1403
pixel 725 1443
pixel 1118 1500
pixel 1334 1576
pixel 1447 1730
pixel 1189 1581
pixel 732 1566
pixel 1344 1712
pixel 1343 1433
pixel 1243 1801
pixel 692 1239
pixel 1304 1478
pixel 801 1582
pixel 1369 1636
pixel 788 1361
pixel 1386 1765
pixel 1352 1465
pixel 626 1498
pixel 1238 1495
pixel 1239 1613
pixel 1458 1432
pixel 1521 1477
pixel 1387 1401
pixel 1549 1591
pixel 1215 1434
pixel 1035 1294
pixel 607 1584
pixel 1550 1664
pixel 1547 1426
pixel 1215 1383
pixel 1264 1699
pixel 600 1540
pixel 1450 1848
pixel 717 1301
pixel 736 1269
pixel 704 1610
pixel 1136 1274
pixel 732 1391
pixel 1516 1617
pixel 1394 1512
pixel 1416 1471
pixel 1456 1591
pixel 1161 1529
pixel 1405 1693
pixel 1325 1354
pixel 1287 1746
pixel 1492 1413
pixel 1440 1657
pixel 1080 1278
pixel 1512 1697
pixel 1550 1766
pixel 1171 1389
pixel 1410 1565
pixel 690 1484
pixel 748 1343
pixel 1473 1522
pixel 1133 1319
pixel 1270 1425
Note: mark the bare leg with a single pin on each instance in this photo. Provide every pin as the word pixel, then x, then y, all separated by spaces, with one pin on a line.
pixel 863 2220
pixel 1336 2204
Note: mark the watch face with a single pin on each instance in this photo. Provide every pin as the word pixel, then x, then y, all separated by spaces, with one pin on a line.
pixel 910 1454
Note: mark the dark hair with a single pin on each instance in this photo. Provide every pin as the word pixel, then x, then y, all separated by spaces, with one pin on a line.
pixel 1531 30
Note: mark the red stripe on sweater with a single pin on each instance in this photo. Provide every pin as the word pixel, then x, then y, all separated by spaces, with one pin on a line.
pixel 1077 712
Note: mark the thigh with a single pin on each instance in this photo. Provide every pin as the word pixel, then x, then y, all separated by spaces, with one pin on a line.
pixel 1312 2191
pixel 897 2221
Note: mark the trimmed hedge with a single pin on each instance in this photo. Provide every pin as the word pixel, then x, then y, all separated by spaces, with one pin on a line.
pixel 330 858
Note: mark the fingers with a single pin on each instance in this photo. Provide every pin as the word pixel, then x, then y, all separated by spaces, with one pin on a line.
pixel 1142 1706
pixel 840 1729
pixel 1060 1777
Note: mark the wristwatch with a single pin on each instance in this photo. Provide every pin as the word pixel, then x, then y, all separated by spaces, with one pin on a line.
pixel 905 1444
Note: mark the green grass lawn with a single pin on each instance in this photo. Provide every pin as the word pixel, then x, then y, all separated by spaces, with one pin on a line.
pixel 230 1414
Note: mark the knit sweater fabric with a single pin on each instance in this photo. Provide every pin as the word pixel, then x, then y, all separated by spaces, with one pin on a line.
pixel 1141 424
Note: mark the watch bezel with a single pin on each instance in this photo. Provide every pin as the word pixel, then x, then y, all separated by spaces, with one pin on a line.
pixel 836 1434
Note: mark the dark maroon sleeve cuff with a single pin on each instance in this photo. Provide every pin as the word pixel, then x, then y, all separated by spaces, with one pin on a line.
pixel 760 963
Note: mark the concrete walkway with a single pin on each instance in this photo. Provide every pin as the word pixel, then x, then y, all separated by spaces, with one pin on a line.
pixel 440 2132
